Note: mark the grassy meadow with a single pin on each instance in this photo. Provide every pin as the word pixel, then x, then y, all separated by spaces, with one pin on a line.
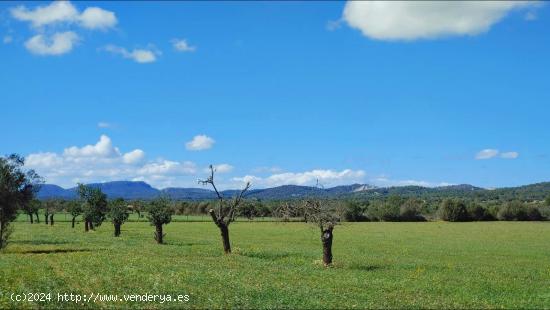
pixel 389 265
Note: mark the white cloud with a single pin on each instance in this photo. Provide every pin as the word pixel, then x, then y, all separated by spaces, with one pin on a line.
pixel 103 148
pixel 56 12
pixel 326 178
pixel 133 157
pixel 97 18
pixel 102 161
pixel 64 12
pixel 384 181
pixel 167 167
pixel 60 43
pixel 410 20
pixel 221 168
pixel 181 45
pixel 138 55
pixel 486 154
pixel 7 39
pixel 199 143
pixel 509 155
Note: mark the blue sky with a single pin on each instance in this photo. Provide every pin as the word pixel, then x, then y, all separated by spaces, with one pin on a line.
pixel 278 93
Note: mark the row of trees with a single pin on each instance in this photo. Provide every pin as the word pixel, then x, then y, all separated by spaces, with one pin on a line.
pixel 18 188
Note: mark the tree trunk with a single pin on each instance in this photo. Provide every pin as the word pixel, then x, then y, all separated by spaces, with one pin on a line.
pixel 326 239
pixel 30 217
pixel 117 229
pixel 51 219
pixel 86 225
pixel 46 218
pixel 91 224
pixel 74 219
pixel 158 233
pixel 224 229
pixel 37 217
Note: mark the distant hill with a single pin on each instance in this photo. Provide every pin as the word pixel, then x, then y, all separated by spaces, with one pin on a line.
pixel 142 190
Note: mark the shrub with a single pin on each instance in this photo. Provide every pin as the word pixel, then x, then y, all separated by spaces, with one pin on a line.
pixel 477 212
pixel 159 213
pixel 354 212
pixel 453 211
pixel 411 211
pixel 518 211
pixel 383 211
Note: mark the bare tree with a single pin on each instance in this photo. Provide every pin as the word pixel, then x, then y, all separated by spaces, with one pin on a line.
pixel 325 219
pixel 319 213
pixel 226 211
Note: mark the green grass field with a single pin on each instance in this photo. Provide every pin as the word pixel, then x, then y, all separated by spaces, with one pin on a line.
pixel 389 265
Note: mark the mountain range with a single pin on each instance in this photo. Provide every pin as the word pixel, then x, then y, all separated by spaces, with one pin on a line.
pixel 142 190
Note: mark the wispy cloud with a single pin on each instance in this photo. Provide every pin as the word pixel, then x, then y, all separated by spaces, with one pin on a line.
pixel 138 55
pixel 181 45
pixel 492 153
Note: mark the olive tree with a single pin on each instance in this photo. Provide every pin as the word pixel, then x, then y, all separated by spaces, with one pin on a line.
pixel 225 213
pixel 31 208
pixel 74 207
pixel 318 213
pixel 50 208
pixel 118 213
pixel 17 188
pixel 94 207
pixel 159 212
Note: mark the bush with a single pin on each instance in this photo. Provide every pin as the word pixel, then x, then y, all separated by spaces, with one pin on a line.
pixel 383 211
pixel 518 211
pixel 477 212
pixel 354 212
pixel 453 211
pixel 411 211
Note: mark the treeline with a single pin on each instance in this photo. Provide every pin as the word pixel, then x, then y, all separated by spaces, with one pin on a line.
pixel 526 193
pixel 396 209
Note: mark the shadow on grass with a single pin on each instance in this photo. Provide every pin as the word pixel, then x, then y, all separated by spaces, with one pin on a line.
pixel 40 242
pixel 186 243
pixel 361 267
pixel 53 251
pixel 268 255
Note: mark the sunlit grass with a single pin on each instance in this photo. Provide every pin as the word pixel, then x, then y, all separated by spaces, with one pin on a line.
pixel 429 265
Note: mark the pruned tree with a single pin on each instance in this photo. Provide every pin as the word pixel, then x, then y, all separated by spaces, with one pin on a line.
pixel 226 211
pixel 31 208
pixel 94 207
pixel 318 213
pixel 159 213
pixel 50 208
pixel 74 208
pixel 46 212
pixel 118 213
pixel 17 188
pixel 137 206
pixel 325 219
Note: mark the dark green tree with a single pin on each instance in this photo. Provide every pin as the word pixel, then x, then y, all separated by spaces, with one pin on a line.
pixel 159 213
pixel 118 213
pixel 31 208
pixel 94 207
pixel 17 188
pixel 74 208
pixel 547 201
pixel 453 210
